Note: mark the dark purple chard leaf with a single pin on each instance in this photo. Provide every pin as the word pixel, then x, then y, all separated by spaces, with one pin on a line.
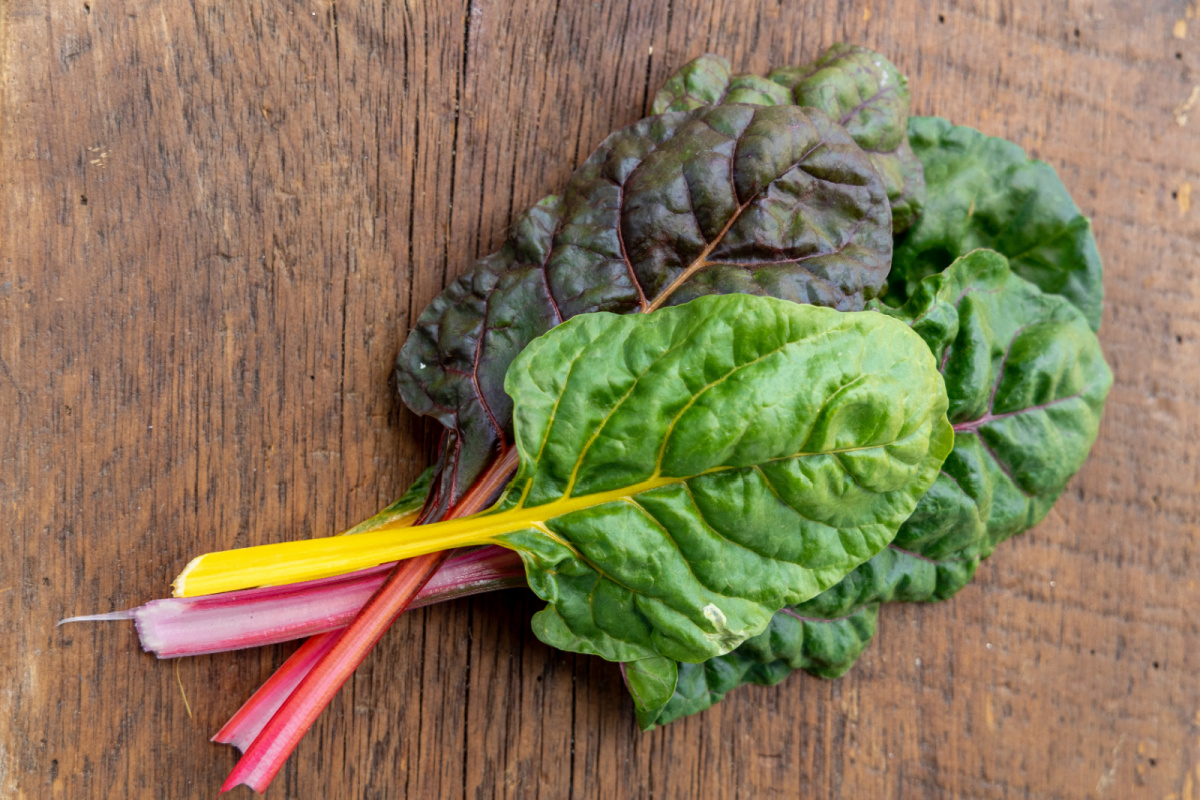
pixel 700 82
pixel 775 201
pixel 855 86
pixel 772 201
pixel 1027 383
pixel 904 178
pixel 865 92
pixel 452 365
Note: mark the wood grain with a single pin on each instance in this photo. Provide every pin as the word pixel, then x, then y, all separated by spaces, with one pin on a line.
pixel 217 222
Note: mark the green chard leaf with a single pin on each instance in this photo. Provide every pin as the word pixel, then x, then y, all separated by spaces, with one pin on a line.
pixel 857 87
pixel 985 192
pixel 682 474
pixel 823 636
pixel 774 201
pixel 729 457
pixel 1027 383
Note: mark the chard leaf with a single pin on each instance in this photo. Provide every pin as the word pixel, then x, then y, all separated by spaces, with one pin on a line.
pixel 859 88
pixel 789 643
pixel 865 92
pixel 855 86
pixel 683 474
pixel 699 468
pixel 984 192
pixel 823 636
pixel 707 81
pixel 703 81
pixel 773 201
pixel 452 364
pixel 651 682
pixel 1027 383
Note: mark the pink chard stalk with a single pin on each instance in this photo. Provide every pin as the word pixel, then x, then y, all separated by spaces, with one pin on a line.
pixel 345 615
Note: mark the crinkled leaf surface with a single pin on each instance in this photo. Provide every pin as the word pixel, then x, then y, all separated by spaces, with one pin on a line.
pixel 773 201
pixel 692 471
pixel 703 81
pixel 1027 383
pixel 707 81
pixel 857 87
pixel 823 636
pixel 865 92
pixel 985 192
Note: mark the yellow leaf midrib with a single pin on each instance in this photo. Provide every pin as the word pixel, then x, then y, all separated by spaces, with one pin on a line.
pixel 310 559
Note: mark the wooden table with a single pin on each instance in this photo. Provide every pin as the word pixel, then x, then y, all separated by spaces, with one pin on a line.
pixel 217 225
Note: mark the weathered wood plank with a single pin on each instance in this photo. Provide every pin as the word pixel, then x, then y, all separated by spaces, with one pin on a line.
pixel 216 225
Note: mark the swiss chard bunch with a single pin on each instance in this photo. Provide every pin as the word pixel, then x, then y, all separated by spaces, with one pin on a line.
pixel 778 354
